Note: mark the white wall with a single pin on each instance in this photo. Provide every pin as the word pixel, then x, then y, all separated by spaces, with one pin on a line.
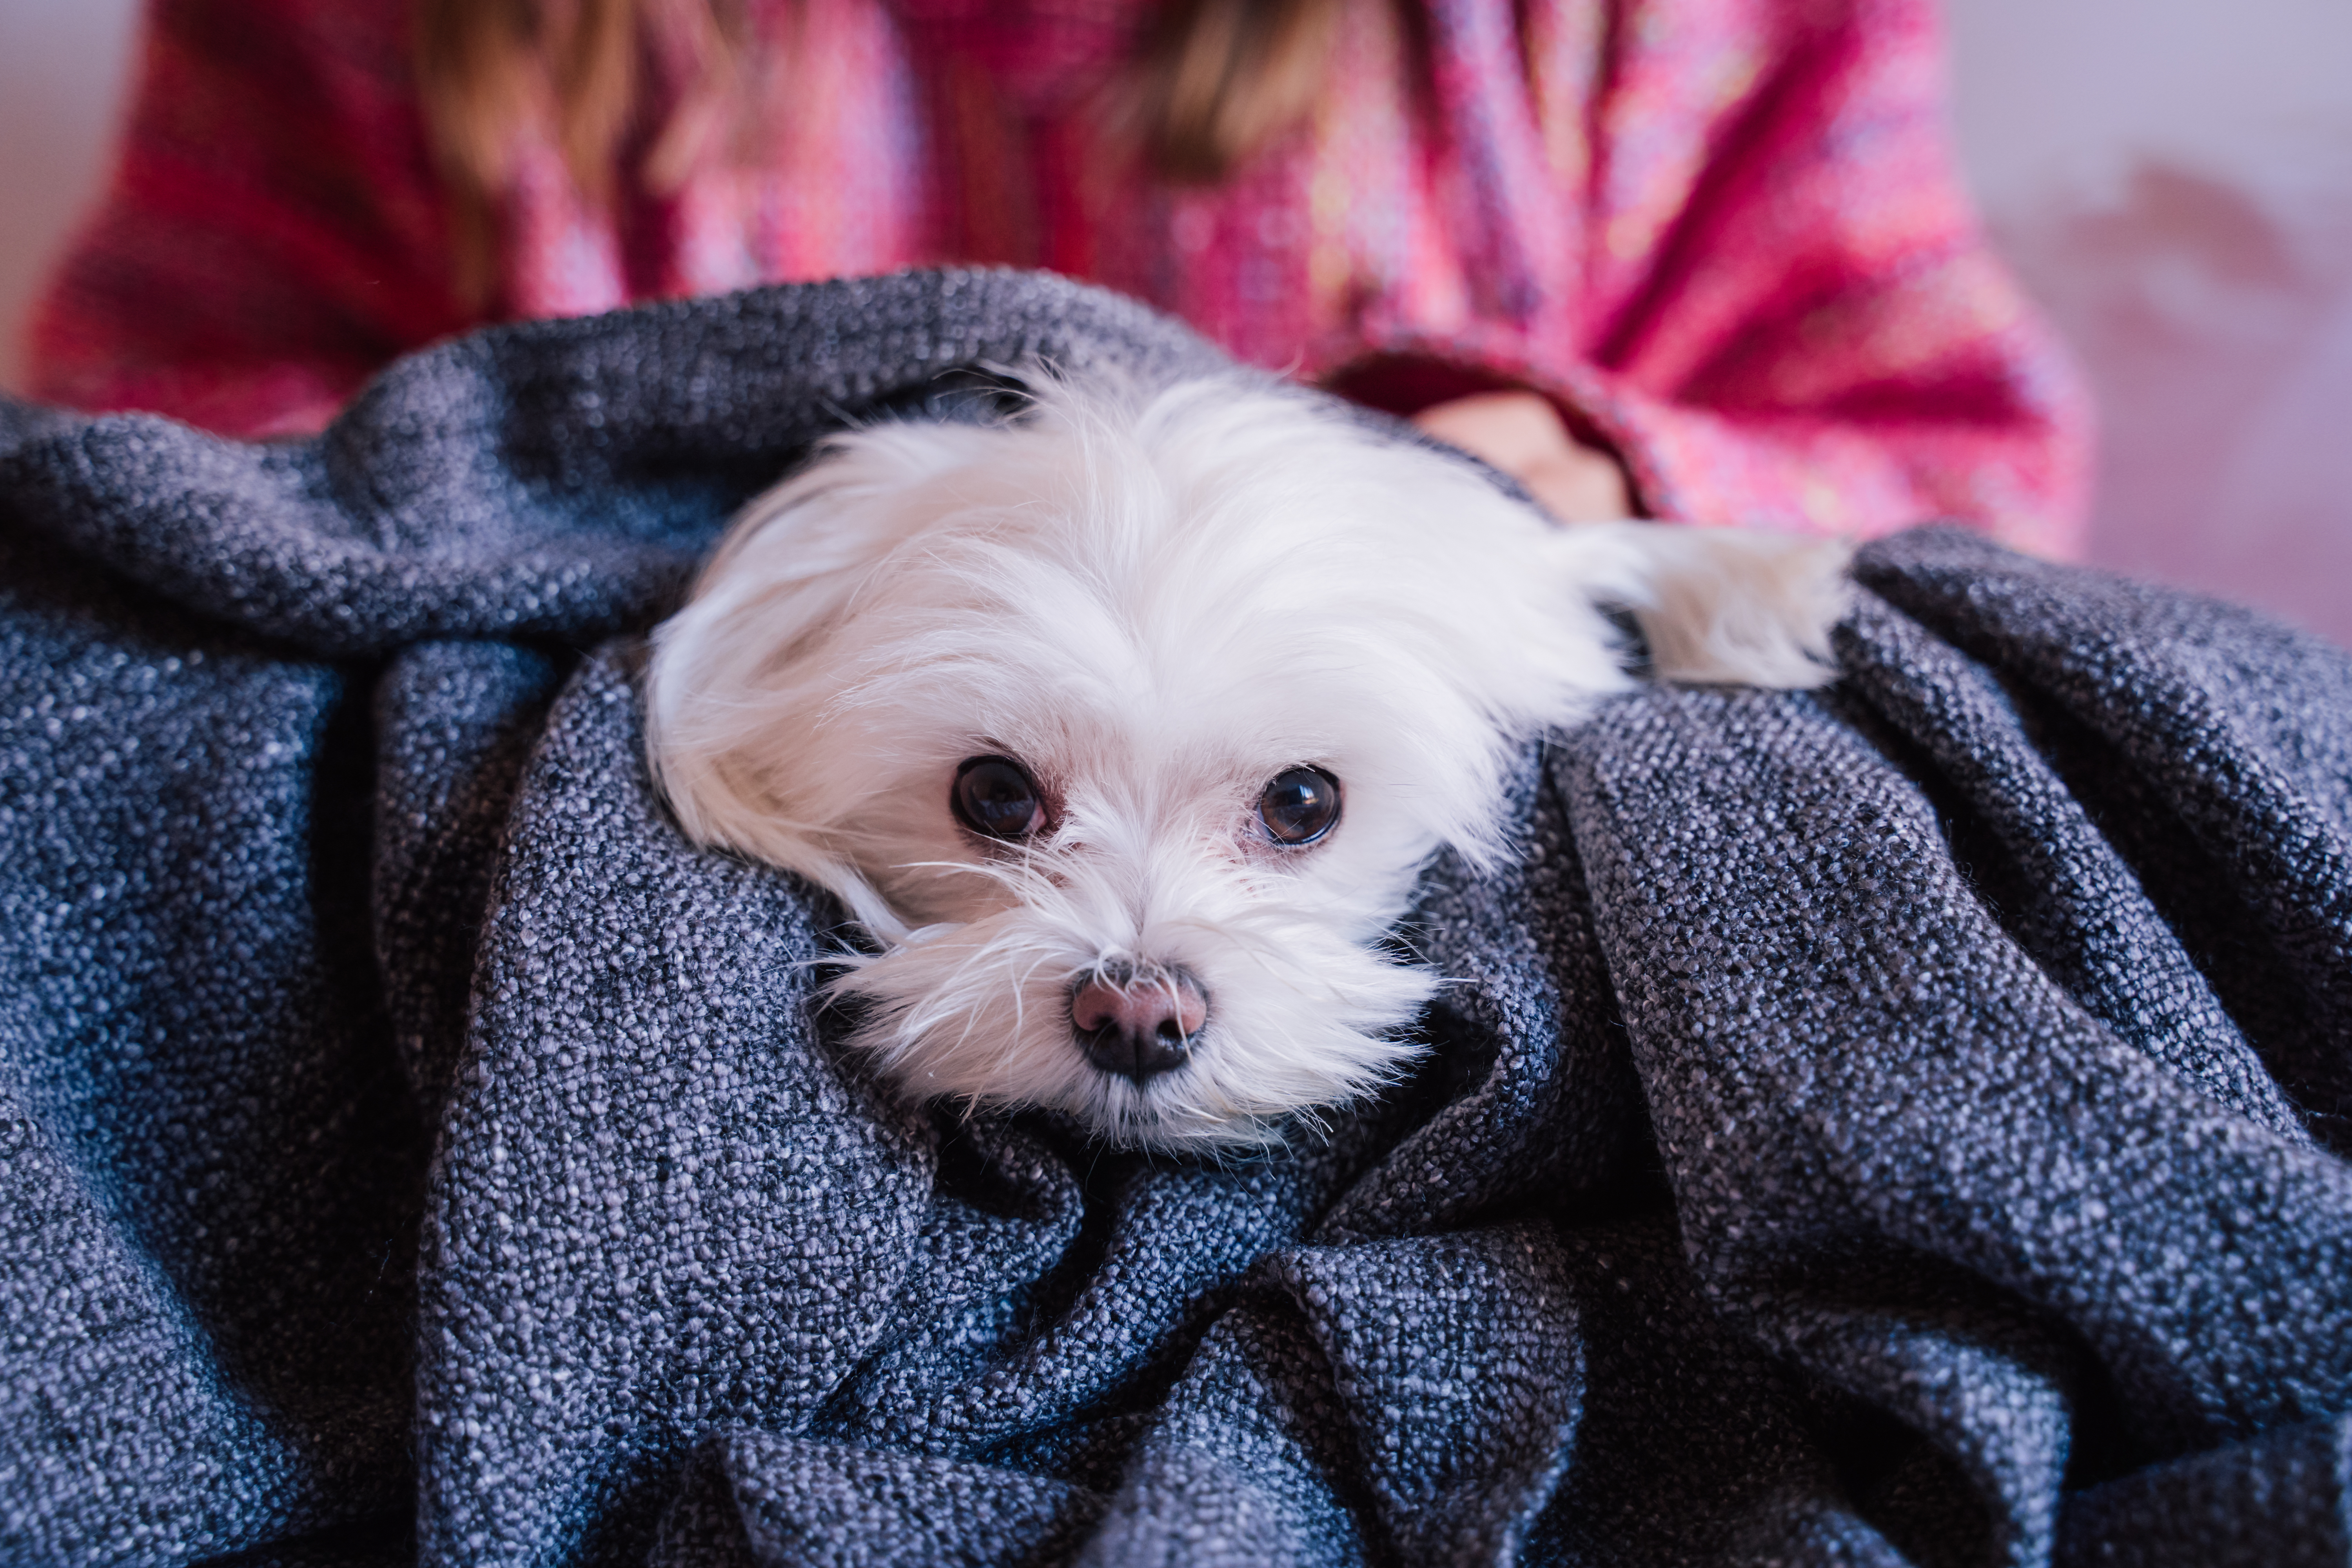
pixel 2053 90
pixel 62 70
pixel 2172 178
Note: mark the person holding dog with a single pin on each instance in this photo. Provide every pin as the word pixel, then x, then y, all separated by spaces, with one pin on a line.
pixel 1697 259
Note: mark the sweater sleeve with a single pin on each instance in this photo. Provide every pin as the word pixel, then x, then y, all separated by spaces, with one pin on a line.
pixel 1815 333
pixel 272 232
pixel 1786 314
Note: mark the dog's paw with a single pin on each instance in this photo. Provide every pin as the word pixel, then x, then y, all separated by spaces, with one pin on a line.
pixel 1739 606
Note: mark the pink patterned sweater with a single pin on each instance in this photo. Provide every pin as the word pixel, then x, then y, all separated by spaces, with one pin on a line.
pixel 1725 237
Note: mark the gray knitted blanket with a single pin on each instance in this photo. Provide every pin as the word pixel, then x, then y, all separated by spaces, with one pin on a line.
pixel 1902 1123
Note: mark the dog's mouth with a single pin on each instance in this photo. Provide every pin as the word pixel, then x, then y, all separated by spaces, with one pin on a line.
pixel 1143 1048
pixel 1136 1021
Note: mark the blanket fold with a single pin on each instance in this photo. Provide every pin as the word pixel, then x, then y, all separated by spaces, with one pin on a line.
pixel 1901 1123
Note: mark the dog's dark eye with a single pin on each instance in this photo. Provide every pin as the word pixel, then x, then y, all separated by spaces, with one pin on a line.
pixel 1299 807
pixel 993 797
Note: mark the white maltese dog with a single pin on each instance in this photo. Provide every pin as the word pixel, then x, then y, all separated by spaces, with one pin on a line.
pixel 1124 727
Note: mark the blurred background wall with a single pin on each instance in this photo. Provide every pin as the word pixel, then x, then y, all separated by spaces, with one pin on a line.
pixel 64 68
pixel 2171 178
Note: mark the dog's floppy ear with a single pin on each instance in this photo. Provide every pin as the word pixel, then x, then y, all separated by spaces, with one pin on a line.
pixel 800 550
pixel 734 676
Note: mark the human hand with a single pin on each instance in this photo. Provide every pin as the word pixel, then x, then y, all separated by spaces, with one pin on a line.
pixel 1522 434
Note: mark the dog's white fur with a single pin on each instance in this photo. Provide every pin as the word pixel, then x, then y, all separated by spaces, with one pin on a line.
pixel 1156 601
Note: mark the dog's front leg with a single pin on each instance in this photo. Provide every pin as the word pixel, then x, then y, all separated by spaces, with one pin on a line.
pixel 1730 605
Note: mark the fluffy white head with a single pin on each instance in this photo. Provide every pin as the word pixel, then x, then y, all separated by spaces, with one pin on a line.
pixel 1154 603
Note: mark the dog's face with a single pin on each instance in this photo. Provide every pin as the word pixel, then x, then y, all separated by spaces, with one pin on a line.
pixel 1124 729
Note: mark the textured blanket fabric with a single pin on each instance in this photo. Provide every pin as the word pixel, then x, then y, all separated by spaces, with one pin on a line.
pixel 1901 1123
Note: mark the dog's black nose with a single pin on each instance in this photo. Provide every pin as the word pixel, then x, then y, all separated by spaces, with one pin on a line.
pixel 1136 1021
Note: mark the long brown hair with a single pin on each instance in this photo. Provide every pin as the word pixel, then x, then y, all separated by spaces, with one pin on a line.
pixel 1217 80
pixel 1221 79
